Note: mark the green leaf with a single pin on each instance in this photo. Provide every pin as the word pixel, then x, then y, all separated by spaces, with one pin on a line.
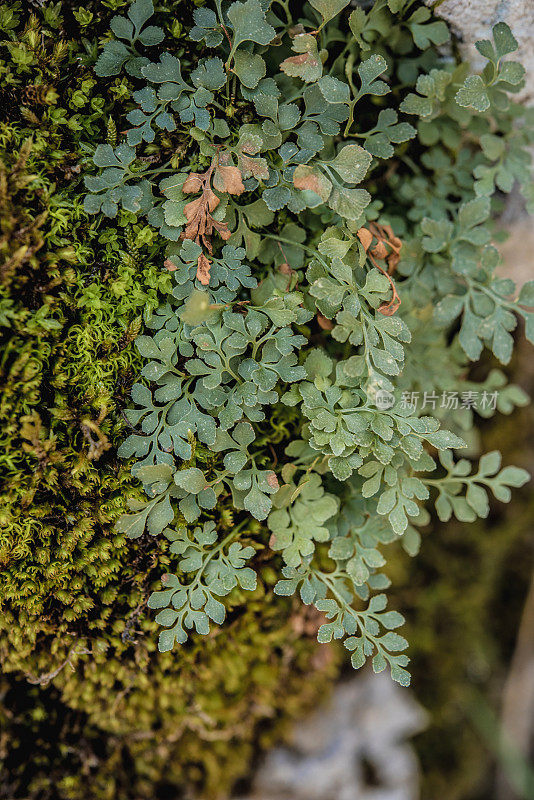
pixel 206 27
pixel 133 525
pixel 277 197
pixel 258 503
pixel 249 67
pixel 473 94
pixel 448 309
pixel 297 528
pixel 504 39
pixel 191 479
pixel 526 295
pixel 512 72
pixel 438 234
pixel 238 359
pixel 492 145
pixel 489 463
pixel 318 364
pixel 140 12
pixel 349 203
pixel 435 33
pixel 328 9
pixel 357 22
pixel 370 69
pixel 477 498
pixel 334 90
pixel 196 309
pixel 168 69
pixel 514 476
pixel 166 640
pixel 474 212
pixel 151 36
pixel 161 515
pixel 249 23
pixel 413 104
pixel 122 28
pixel 444 440
pixel 111 59
pixel 351 163
pixel 387 130
pixel 209 74
pixel 215 611
pixel 400 675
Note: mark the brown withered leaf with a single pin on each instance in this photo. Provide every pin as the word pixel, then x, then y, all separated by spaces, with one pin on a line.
pixel 388 245
pixel 307 64
pixel 197 213
pixel 394 241
pixel 365 237
pixel 203 269
pixel 200 222
pixel 228 179
pixel 387 248
pixel 380 250
pixel 222 229
pixel 303 58
pixel 169 265
pixel 307 180
pixel 250 144
pixel 388 309
pixel 286 270
pixel 296 66
pixel 194 183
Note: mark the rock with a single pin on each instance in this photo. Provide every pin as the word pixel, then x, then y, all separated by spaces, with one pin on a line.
pixel 517 251
pixel 353 748
pixel 473 21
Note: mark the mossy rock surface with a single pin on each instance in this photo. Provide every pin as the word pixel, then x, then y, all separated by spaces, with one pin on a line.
pixel 125 724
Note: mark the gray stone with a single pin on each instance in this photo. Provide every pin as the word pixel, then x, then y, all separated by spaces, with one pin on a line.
pixel 473 19
pixel 361 731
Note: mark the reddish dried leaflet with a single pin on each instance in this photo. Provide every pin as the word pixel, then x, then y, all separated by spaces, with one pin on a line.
pixel 200 222
pixel 387 248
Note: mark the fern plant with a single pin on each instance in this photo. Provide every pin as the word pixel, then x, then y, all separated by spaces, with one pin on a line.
pixel 325 179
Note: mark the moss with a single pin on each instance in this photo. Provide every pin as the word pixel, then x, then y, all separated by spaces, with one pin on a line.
pixel 190 721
